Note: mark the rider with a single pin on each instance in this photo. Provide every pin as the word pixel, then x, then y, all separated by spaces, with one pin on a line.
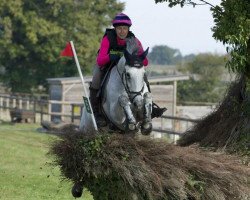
pixel 111 49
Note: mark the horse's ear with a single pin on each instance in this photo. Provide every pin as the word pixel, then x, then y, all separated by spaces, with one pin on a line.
pixel 145 53
pixel 121 64
pixel 126 54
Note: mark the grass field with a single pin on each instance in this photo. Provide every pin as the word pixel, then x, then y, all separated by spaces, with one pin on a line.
pixel 25 168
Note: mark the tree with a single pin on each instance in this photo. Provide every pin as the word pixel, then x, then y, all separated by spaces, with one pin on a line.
pixel 205 83
pixel 32 34
pixel 228 126
pixel 164 55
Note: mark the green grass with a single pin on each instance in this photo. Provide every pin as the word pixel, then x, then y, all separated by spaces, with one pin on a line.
pixel 25 168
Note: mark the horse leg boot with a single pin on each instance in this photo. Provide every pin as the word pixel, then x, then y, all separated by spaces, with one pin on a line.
pixel 146 127
pixel 156 110
pixel 125 104
pixel 95 103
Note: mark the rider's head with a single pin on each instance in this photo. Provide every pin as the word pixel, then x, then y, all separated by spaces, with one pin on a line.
pixel 121 22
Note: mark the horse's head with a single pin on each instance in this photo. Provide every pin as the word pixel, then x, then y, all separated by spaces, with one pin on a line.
pixel 132 72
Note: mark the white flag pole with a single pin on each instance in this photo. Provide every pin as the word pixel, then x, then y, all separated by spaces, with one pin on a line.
pixel 86 99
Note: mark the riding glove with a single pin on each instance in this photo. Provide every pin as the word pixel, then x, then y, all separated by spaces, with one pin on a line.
pixel 114 58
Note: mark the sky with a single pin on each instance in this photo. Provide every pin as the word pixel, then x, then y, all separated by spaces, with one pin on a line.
pixel 187 29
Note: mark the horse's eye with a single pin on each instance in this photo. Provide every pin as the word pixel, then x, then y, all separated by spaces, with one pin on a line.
pixel 128 76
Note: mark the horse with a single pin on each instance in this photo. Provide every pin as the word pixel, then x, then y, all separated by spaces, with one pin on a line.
pixel 126 101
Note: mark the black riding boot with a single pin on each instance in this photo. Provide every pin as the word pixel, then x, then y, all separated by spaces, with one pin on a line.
pixel 157 111
pixel 95 103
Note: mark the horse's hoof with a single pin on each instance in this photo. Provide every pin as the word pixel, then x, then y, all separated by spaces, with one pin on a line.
pixel 131 127
pixel 146 128
pixel 77 190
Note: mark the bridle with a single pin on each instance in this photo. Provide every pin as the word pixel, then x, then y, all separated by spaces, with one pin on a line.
pixel 127 89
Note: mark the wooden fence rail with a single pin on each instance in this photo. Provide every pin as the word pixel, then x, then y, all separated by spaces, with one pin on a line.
pixel 174 118
pixel 179 118
pixel 40 107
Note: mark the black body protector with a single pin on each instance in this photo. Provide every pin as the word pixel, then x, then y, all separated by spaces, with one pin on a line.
pixel 114 48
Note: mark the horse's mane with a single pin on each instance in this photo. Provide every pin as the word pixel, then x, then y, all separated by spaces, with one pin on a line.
pixel 132 46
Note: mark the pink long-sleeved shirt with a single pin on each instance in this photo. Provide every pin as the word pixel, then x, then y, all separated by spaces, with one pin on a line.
pixel 103 55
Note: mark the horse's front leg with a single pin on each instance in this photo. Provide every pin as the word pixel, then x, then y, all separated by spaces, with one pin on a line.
pixel 125 104
pixel 146 127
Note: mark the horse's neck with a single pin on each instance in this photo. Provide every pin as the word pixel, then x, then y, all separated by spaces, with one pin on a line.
pixel 115 79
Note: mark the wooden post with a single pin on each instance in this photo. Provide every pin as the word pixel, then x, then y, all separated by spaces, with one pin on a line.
pixel 174 97
pixel 7 102
pixel 28 104
pixel 41 114
pixel 20 101
pixel 72 113
pixel 174 107
pixel 63 105
pixel 1 103
pixel 49 108
pixel 13 103
pixel 34 110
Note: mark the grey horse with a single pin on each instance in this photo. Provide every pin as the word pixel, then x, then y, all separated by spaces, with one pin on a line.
pixel 126 101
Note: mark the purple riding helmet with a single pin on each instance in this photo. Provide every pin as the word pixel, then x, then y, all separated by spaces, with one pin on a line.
pixel 121 19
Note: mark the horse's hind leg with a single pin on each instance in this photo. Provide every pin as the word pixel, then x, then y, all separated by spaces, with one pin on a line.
pixel 146 126
pixel 125 104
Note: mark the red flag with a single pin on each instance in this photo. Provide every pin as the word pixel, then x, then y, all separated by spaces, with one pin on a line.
pixel 67 51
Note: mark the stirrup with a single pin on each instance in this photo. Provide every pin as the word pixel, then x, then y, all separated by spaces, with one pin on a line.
pixel 157 111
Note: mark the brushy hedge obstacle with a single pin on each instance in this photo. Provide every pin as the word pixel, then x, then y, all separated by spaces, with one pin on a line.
pixel 228 127
pixel 124 167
